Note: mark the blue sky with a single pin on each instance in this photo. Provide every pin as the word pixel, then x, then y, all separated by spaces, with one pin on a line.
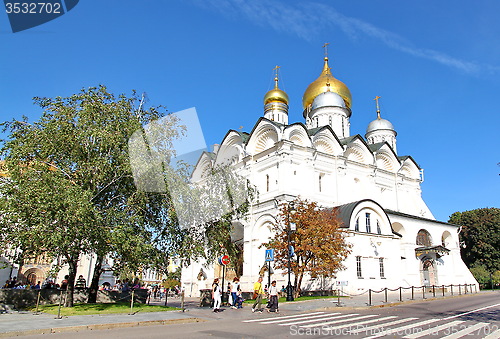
pixel 435 64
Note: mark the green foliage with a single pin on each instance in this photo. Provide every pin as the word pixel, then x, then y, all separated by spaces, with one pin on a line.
pixel 481 236
pixel 104 308
pixel 70 188
pixel 481 274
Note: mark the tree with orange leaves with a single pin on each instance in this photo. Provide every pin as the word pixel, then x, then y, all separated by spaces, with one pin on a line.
pixel 318 241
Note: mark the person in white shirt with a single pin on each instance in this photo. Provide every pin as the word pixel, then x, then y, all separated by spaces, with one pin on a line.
pixel 235 287
pixel 273 298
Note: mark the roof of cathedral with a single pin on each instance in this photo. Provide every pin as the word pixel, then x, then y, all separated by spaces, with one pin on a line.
pixel 326 82
pixel 380 124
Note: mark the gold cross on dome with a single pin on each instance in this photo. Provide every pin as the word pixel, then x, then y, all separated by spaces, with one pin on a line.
pixel 276 69
pixel 378 107
pixel 325 46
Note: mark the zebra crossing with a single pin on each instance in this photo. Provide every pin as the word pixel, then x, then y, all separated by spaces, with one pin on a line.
pixel 370 326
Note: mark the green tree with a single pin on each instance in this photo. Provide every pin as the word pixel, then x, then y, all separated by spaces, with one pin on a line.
pixel 480 236
pixel 319 242
pixel 70 188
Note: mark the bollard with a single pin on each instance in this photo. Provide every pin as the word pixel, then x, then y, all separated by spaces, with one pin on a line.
pixel 182 301
pixel 132 303
pixel 451 289
pixel 37 302
pixel 423 292
pixel 338 297
pixel 370 297
pixel 400 294
pixel 59 308
pixel 385 290
pixel 465 285
pixel 412 294
pixel 443 290
pixel 433 291
pixel 459 290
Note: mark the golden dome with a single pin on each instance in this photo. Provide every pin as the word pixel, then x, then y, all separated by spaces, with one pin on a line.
pixel 276 94
pixel 326 82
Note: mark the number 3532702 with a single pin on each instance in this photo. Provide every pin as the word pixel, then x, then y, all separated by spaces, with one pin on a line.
pixel 33 7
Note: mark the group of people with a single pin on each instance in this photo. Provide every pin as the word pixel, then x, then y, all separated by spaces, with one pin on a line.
pixel 236 298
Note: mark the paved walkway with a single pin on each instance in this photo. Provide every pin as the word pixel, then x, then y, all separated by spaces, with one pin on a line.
pixel 25 323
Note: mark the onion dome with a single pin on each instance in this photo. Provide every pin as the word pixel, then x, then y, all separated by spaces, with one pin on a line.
pixel 379 124
pixel 324 83
pixel 328 99
pixel 276 94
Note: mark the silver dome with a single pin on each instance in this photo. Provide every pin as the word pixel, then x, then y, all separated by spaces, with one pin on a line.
pixel 328 99
pixel 379 124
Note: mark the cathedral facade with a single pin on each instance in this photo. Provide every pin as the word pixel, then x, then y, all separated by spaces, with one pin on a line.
pixel 395 239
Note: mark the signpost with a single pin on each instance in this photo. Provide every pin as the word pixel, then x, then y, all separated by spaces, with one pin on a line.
pixel 269 258
pixel 223 260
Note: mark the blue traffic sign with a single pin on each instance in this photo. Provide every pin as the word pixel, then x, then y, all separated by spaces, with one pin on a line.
pixel 270 255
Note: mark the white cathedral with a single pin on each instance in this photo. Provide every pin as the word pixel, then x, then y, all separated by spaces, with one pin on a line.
pixel 395 239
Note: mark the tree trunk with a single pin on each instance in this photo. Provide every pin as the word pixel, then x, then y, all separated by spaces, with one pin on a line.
pixel 94 284
pixel 72 263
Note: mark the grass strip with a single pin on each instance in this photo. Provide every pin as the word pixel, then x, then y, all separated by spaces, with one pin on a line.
pixel 102 308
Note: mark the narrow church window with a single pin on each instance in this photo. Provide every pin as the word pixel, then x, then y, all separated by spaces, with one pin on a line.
pixel 381 263
pixel 267 182
pixel 358 267
pixel 317 122
pixel 356 227
pixel 319 182
pixel 330 121
pixel 368 225
pixel 379 231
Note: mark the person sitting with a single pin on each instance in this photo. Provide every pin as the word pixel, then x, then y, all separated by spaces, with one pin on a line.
pixel 81 283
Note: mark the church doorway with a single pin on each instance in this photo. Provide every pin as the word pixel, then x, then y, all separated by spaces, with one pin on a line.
pixel 428 272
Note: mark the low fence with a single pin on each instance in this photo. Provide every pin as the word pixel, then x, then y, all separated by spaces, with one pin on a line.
pixel 424 291
pixel 22 299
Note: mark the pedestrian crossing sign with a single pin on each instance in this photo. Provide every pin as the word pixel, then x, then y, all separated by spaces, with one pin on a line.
pixel 270 255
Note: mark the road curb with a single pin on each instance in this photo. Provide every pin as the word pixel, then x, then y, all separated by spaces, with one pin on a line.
pixel 100 327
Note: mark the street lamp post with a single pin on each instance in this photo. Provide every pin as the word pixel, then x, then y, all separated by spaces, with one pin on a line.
pixel 290 228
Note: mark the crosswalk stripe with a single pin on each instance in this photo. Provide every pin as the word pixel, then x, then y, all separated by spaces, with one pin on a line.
pixel 358 323
pixel 285 317
pixel 494 335
pixel 402 328
pixel 340 321
pixel 433 330
pixel 305 321
pixel 377 327
pixel 308 319
pixel 465 331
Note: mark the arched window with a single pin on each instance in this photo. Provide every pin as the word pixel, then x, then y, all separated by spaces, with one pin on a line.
pixel 356 227
pixel 424 238
pixel 368 223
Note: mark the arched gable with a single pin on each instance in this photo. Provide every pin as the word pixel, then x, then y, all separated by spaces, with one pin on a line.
pixel 264 135
pixel 386 159
pixel 203 167
pixel 410 168
pixel 297 133
pixel 325 140
pixel 358 151
pixel 354 217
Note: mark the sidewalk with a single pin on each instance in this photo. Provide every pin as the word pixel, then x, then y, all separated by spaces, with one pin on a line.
pixel 26 323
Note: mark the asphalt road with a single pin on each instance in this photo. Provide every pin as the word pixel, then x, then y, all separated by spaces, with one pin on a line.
pixel 475 316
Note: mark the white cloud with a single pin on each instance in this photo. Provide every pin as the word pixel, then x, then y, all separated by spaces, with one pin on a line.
pixel 307 20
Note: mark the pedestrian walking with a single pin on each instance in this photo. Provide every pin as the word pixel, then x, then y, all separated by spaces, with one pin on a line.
pixel 216 295
pixel 273 298
pixel 258 292
pixel 235 287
